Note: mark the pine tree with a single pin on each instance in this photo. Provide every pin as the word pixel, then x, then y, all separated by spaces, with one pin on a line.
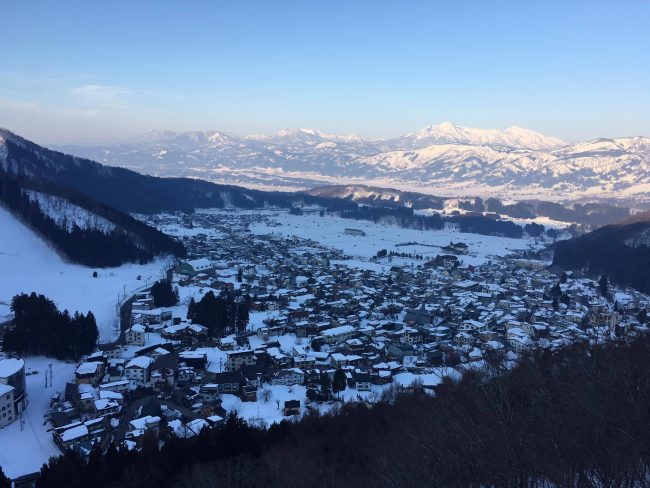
pixel 191 310
pixel 603 285
pixel 325 385
pixel 340 382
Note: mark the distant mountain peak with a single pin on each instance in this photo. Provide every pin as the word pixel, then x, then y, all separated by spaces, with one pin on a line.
pixel 449 133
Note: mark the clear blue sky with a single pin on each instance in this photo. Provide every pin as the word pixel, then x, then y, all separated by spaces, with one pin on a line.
pixel 75 71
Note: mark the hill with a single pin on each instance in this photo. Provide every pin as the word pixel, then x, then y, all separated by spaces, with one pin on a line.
pixel 588 214
pixel 29 264
pixel 121 188
pixel 82 230
pixel 622 252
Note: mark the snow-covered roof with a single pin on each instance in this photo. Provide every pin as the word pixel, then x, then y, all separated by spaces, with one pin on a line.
pixel 10 366
pixel 140 362
pixel 74 433
pixel 89 367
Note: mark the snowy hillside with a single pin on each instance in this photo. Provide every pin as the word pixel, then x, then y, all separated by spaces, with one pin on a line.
pixel 66 215
pixel 28 264
pixel 445 159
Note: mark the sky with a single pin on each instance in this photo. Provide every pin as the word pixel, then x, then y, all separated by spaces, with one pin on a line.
pixel 90 72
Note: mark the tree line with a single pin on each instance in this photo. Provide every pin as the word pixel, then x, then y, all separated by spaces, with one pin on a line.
pixel 40 328
pixel 577 417
pixel 222 314
pixel 405 217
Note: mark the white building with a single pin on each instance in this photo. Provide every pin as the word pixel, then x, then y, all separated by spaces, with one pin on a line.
pixel 138 370
pixel 134 335
pixel 7 412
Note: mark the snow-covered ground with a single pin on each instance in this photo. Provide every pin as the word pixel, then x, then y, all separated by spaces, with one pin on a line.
pixel 28 264
pixel 24 451
pixel 329 231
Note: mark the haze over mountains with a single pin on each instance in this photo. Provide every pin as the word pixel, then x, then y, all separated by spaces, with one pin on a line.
pixel 444 159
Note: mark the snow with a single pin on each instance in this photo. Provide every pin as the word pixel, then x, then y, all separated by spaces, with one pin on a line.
pixel 262 412
pixel 446 160
pixel 329 231
pixel 10 366
pixel 34 438
pixel 28 264
pixel 67 215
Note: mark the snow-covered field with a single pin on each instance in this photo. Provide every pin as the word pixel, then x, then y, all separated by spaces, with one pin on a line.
pixel 329 231
pixel 24 451
pixel 28 264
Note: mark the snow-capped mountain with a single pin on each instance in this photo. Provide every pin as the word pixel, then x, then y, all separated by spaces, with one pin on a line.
pixel 448 133
pixel 445 159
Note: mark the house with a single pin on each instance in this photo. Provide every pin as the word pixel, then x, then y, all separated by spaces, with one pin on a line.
pixel 291 407
pixel 110 351
pixel 7 411
pixel 107 407
pixel 79 434
pixel 138 370
pixel 12 373
pixel 236 359
pixel 195 359
pixel 89 372
pixel 338 334
pixel 163 370
pixel 288 377
pixel 228 381
pixel 362 381
pixel 209 393
pixel 419 316
pixel 447 261
pixel 120 386
pixel 144 424
pixel 134 335
pixel 194 267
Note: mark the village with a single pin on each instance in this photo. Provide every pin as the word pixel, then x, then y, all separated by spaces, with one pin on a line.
pixel 324 324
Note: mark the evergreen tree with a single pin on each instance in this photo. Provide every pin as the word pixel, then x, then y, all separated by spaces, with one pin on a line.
pixel 39 328
pixel 163 294
pixel 325 385
pixel 191 310
pixel 603 285
pixel 340 381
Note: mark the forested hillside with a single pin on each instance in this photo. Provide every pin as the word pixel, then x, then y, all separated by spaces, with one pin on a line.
pixel 127 190
pixel 622 252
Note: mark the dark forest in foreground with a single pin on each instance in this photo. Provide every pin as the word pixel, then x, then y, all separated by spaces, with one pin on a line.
pixel 578 417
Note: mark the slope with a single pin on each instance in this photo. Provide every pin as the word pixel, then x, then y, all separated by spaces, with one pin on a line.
pixel 29 264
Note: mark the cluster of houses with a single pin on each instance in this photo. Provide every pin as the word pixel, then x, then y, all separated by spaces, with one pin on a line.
pixel 310 318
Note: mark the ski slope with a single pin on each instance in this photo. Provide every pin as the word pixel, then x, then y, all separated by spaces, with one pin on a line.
pixel 28 264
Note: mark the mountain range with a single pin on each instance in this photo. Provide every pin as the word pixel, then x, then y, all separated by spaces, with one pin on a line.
pixel 445 159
